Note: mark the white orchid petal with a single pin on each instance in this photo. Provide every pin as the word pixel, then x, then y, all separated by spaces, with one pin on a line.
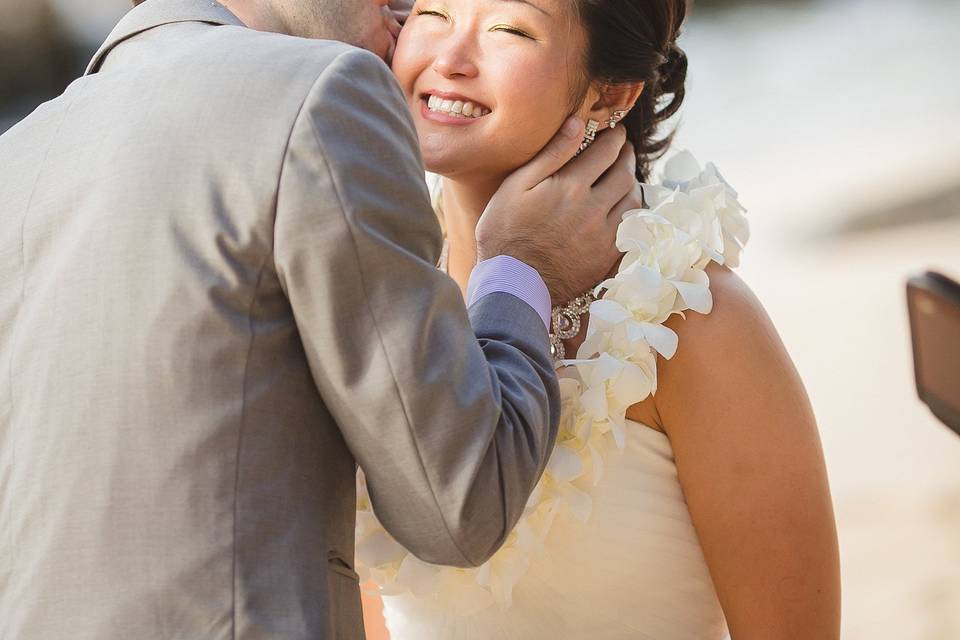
pixel 608 313
pixel 696 296
pixel 633 385
pixel 418 576
pixel 380 549
pixel 535 497
pixel 590 347
pixel 594 402
pixel 565 464
pixel 527 539
pixel 509 565
pixel 661 338
pixel 607 367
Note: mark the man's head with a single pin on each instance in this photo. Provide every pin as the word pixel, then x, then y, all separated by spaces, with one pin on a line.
pixel 363 23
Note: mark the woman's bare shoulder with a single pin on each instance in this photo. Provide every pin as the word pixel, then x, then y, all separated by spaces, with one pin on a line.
pixel 725 340
pixel 731 351
pixel 736 309
pixel 751 466
pixel 737 323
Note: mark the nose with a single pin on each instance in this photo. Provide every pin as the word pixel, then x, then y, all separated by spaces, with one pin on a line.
pixel 456 57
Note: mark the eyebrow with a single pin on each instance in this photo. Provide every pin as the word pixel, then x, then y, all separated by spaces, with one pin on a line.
pixel 527 2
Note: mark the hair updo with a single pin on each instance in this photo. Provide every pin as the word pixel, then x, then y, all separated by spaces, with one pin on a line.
pixel 630 41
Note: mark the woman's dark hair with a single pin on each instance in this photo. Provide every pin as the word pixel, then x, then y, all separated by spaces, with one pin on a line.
pixel 630 41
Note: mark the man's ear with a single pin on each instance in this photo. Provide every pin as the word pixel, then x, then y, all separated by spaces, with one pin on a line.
pixel 614 99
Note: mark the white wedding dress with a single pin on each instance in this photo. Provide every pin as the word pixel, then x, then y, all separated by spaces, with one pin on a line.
pixel 633 570
pixel 606 549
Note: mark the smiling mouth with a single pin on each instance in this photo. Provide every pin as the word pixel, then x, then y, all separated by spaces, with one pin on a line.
pixel 455 108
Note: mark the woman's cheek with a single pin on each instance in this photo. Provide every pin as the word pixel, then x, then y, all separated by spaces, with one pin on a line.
pixel 537 115
pixel 407 57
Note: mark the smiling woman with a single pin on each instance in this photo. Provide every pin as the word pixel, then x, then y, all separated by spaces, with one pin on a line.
pixel 510 58
pixel 649 543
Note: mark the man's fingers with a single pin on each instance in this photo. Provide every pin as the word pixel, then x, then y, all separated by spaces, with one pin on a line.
pixel 617 185
pixel 593 162
pixel 633 200
pixel 558 152
pixel 615 217
pixel 610 251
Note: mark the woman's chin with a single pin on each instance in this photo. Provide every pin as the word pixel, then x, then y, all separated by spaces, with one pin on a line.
pixel 467 161
pixel 443 165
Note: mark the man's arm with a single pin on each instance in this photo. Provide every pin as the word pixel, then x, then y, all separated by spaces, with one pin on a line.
pixel 452 424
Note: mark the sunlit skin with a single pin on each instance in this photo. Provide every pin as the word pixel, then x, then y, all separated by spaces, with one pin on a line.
pixel 517 59
pixel 507 56
pixel 744 436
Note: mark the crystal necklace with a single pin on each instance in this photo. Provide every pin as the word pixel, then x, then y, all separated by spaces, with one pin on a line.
pixel 565 320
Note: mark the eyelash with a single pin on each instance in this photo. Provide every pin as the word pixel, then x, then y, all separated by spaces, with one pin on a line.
pixel 425 12
pixel 499 27
pixel 513 30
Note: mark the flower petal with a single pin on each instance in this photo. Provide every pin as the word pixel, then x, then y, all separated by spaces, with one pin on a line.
pixel 418 576
pixel 564 465
pixel 696 295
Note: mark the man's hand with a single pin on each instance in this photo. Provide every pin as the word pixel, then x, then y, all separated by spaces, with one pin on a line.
pixel 561 217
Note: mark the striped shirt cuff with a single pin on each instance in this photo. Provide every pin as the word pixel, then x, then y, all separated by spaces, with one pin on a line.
pixel 506 274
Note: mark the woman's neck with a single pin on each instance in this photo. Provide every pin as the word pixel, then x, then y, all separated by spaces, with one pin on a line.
pixel 463 204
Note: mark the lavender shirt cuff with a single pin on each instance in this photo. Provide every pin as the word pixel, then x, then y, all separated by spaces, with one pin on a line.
pixel 505 274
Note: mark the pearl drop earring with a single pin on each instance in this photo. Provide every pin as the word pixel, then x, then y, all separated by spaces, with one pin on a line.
pixel 617 116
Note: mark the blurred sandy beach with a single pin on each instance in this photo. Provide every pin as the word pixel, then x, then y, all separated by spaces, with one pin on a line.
pixel 839 124
pixel 894 470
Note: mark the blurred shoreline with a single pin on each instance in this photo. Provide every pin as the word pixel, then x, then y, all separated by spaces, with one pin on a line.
pixel 941 205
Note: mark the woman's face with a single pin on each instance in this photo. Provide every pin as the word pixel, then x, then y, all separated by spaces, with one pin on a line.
pixel 488 82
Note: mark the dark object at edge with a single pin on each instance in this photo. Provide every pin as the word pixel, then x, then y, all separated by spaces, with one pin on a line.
pixel 933 302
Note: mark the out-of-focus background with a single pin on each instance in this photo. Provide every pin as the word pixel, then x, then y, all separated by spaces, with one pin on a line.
pixel 839 123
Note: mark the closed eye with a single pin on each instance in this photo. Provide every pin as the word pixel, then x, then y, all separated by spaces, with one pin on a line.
pixel 425 12
pixel 512 30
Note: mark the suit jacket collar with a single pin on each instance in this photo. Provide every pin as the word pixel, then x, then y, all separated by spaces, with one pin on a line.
pixel 154 13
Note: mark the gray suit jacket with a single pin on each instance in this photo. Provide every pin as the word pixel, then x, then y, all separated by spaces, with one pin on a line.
pixel 217 295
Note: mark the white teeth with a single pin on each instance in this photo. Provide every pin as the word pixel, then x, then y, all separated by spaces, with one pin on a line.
pixel 461 108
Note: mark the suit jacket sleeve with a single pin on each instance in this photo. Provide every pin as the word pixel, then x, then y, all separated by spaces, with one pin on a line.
pixel 450 413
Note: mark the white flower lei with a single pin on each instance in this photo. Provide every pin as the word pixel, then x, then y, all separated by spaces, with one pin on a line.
pixel 692 217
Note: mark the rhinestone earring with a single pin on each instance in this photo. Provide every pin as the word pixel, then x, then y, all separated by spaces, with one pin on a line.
pixel 589 135
pixel 617 116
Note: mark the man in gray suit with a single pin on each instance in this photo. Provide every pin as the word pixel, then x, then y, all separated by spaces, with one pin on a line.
pixel 218 294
